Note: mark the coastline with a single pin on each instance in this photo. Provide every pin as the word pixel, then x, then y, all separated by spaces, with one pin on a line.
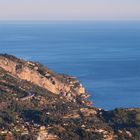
pixel 36 110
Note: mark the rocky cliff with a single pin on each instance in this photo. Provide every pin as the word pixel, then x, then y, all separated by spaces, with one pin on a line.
pixel 39 104
pixel 40 75
pixel 60 84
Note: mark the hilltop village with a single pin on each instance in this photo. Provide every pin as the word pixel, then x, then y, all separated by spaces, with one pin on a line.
pixel 39 104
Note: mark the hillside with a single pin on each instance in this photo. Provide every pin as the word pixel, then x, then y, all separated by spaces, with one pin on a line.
pixel 39 104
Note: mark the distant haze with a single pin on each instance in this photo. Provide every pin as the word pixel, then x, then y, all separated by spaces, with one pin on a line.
pixel 69 9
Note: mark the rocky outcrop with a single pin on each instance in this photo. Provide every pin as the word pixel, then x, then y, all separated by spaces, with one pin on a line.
pixel 42 76
pixel 44 135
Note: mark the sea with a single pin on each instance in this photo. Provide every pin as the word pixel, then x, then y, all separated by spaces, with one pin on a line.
pixel 103 55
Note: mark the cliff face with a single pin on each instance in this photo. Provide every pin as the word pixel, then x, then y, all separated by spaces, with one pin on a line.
pixel 38 104
pixel 37 74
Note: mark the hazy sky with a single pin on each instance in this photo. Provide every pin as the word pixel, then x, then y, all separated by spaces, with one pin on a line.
pixel 69 9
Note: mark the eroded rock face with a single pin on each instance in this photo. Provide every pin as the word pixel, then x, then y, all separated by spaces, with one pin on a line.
pixel 35 77
pixel 39 75
pixel 7 64
pixel 44 135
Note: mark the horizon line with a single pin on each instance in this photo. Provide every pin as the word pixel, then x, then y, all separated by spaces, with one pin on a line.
pixel 64 20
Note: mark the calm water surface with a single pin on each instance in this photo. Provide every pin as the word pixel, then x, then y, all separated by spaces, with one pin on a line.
pixel 105 56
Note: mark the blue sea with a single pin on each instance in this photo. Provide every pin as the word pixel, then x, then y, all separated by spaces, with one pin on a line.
pixel 103 55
